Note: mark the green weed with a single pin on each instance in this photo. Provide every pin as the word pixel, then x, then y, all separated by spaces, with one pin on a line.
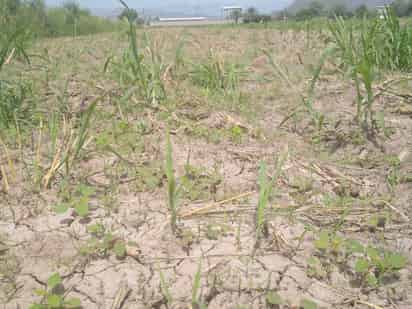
pixel 102 243
pixel 55 297
pixel 371 265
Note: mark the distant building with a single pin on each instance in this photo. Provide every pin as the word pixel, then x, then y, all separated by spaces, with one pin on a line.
pixel 181 19
pixel 229 11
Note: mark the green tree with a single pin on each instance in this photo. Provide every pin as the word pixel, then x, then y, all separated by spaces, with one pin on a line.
pixel 362 11
pixel 339 10
pixel 402 8
pixel 236 15
pixel 73 12
pixel 314 9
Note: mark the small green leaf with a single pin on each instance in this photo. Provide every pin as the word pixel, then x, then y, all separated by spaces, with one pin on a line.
pixel 362 266
pixel 54 301
pixel 82 207
pixel 36 306
pixel 61 208
pixel 373 254
pixel 273 298
pixel 40 292
pixel 86 191
pixel 96 229
pixel 371 280
pixel 323 242
pixel 397 261
pixel 73 303
pixel 313 261
pixel 308 304
pixel 119 249
pixel 53 281
pixel 354 246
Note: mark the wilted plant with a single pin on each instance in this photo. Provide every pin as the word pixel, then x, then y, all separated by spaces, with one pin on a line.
pixel 71 143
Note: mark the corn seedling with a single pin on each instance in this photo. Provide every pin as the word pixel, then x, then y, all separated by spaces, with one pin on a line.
pixel 172 190
pixel 265 191
pixel 196 303
pixel 165 290
pixel 377 45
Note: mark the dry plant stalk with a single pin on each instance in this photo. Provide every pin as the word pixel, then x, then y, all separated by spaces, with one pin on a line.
pixel 9 162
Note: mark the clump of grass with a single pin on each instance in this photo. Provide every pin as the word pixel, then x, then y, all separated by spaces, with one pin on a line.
pixel 72 143
pixel 13 42
pixel 216 74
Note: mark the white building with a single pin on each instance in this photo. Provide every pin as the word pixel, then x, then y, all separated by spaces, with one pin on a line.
pixel 229 11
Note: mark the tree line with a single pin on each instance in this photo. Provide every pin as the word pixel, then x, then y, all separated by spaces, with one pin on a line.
pixel 402 8
pixel 67 19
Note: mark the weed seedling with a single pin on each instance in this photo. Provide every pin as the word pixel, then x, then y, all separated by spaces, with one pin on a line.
pixel 53 296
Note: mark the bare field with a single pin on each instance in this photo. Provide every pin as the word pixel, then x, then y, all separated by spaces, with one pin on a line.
pixel 101 220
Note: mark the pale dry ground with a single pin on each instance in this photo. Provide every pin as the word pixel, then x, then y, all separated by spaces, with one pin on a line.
pixel 339 182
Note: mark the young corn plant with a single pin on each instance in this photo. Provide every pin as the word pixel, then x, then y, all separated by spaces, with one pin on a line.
pixel 266 186
pixel 363 52
pixel 196 303
pixel 172 188
pixel 165 290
